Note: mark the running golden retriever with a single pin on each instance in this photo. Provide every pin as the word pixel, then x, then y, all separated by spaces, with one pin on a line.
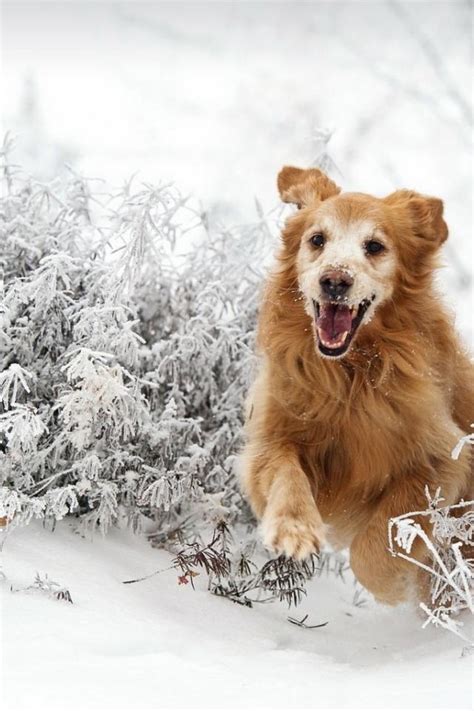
pixel 363 388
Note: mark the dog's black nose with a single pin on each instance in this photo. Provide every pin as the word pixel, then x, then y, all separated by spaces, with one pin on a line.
pixel 336 284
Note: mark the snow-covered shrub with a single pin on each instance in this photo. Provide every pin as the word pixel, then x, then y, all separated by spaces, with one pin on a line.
pixel 450 568
pixel 126 335
pixel 47 587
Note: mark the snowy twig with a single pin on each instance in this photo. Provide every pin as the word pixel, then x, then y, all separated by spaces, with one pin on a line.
pixel 451 574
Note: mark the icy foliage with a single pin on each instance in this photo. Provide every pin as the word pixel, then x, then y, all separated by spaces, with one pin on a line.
pixel 449 563
pixel 124 361
pixel 48 587
pixel 467 439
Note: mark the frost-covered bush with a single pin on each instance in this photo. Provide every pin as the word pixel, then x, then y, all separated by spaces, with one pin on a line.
pixel 126 334
pixel 450 561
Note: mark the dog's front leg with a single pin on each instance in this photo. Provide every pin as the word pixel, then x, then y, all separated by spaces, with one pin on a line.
pixel 280 494
pixel 291 523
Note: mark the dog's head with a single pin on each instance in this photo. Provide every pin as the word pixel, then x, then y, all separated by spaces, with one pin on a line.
pixel 352 251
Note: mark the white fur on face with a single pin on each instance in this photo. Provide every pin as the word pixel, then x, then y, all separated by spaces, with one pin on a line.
pixel 344 250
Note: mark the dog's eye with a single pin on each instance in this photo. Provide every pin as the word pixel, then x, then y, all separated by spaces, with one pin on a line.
pixel 317 240
pixel 374 247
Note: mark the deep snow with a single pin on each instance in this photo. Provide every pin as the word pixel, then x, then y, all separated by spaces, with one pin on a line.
pixel 157 644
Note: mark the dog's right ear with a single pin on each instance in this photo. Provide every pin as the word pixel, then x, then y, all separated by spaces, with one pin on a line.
pixel 305 187
pixel 425 213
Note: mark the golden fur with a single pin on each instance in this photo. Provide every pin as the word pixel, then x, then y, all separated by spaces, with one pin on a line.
pixel 335 447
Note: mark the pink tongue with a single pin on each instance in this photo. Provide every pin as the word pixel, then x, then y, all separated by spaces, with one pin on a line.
pixel 333 320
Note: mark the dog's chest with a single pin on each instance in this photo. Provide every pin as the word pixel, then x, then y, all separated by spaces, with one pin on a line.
pixel 355 456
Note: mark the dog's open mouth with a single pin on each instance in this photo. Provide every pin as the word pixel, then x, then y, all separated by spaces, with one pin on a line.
pixel 336 325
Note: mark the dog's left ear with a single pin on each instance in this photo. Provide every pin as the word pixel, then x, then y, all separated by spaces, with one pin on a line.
pixel 425 213
pixel 305 187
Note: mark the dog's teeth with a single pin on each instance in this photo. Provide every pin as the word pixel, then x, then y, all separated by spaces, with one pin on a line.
pixel 332 344
pixel 342 339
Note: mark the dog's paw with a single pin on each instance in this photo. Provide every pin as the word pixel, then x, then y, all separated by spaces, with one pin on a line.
pixel 294 537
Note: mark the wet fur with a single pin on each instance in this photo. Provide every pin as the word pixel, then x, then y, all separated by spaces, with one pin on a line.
pixel 337 447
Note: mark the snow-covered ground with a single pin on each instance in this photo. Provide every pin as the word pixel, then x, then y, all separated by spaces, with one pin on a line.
pixel 157 644
pixel 217 96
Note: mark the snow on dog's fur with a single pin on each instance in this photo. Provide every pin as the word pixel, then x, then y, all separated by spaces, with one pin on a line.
pixel 363 388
